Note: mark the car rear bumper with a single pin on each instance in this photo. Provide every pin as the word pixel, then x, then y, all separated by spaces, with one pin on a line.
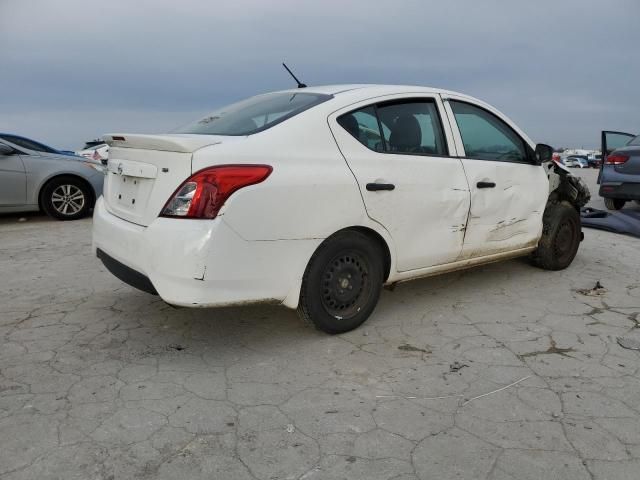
pixel 620 190
pixel 199 263
pixel 126 274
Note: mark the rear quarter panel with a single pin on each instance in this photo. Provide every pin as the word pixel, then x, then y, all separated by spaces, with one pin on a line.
pixel 311 192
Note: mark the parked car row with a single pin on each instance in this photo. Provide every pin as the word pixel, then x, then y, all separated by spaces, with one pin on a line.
pixel 581 161
pixel 576 162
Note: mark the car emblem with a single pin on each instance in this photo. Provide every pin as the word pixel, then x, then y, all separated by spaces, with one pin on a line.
pixel 119 169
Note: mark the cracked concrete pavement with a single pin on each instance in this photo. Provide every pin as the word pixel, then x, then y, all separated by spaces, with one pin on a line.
pixel 100 381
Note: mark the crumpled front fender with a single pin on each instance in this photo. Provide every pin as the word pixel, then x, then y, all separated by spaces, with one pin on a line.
pixel 563 185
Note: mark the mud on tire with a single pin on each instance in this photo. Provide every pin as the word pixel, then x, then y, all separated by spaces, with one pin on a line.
pixel 561 236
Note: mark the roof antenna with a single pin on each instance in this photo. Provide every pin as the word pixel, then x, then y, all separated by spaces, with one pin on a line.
pixel 300 84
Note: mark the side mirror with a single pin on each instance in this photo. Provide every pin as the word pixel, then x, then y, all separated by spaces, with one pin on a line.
pixel 544 153
pixel 5 149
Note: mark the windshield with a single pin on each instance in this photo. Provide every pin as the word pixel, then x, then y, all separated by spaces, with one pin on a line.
pixel 635 141
pixel 254 114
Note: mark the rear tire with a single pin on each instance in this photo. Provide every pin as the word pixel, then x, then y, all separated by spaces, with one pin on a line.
pixel 614 203
pixel 66 198
pixel 561 235
pixel 342 283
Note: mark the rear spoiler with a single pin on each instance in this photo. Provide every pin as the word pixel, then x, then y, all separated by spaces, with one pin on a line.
pixel 168 143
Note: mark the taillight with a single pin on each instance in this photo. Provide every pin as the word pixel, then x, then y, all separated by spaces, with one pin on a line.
pixel 616 159
pixel 203 194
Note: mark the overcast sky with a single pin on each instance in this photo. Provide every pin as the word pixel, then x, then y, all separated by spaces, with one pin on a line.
pixel 72 70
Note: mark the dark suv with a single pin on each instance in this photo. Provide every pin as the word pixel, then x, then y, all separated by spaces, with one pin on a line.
pixel 619 176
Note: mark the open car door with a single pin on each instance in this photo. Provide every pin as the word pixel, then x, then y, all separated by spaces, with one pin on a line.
pixel 609 142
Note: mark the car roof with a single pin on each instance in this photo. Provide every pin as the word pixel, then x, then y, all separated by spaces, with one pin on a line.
pixel 349 94
pixel 22 137
pixel 18 136
pixel 374 90
pixel 54 153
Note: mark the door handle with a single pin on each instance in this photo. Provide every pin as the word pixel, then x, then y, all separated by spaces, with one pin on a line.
pixel 375 187
pixel 485 185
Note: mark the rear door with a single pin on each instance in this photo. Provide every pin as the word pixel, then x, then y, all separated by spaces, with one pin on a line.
pixel 611 140
pixel 410 179
pixel 13 180
pixel 508 191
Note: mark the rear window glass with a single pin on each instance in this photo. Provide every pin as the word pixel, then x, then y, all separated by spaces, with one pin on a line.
pixel 254 114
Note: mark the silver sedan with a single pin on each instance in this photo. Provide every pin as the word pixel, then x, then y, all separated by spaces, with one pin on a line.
pixel 64 186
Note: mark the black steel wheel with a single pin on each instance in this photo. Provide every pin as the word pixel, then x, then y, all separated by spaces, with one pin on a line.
pixel 346 284
pixel 561 236
pixel 567 238
pixel 342 282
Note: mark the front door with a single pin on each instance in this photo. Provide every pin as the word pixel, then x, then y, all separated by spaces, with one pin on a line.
pixel 13 181
pixel 411 183
pixel 508 190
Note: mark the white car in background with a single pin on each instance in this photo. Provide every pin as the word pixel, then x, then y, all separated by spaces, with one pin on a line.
pixel 316 197
pixel 97 152
pixel 576 162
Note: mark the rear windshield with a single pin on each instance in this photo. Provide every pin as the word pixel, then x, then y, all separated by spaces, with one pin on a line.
pixel 635 141
pixel 254 114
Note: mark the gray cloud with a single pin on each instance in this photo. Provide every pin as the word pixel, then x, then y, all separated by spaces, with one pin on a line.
pixel 71 70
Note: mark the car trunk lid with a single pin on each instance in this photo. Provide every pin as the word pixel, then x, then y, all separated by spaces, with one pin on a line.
pixel 144 170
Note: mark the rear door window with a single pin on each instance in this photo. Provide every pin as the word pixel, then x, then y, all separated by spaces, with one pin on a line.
pixel 402 127
pixel 363 125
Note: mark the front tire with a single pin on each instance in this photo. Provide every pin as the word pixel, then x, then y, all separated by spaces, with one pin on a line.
pixel 342 283
pixel 614 203
pixel 561 235
pixel 66 198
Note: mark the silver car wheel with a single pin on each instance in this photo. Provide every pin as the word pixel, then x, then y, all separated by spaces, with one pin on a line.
pixel 68 199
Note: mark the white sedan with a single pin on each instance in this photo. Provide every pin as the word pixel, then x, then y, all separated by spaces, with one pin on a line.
pixel 314 198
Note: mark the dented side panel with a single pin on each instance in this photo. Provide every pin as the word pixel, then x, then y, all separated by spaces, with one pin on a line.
pixel 509 215
pixel 426 213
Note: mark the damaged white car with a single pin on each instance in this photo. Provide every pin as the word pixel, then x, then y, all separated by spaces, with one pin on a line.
pixel 317 197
